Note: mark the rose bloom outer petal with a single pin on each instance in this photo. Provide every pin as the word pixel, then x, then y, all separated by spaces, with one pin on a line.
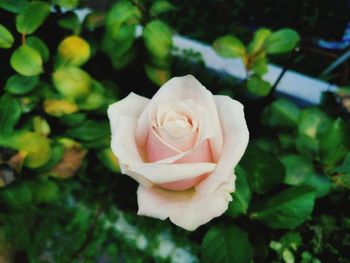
pixel 132 106
pixel 160 173
pixel 187 209
pixel 124 147
pixel 236 137
pixel 183 88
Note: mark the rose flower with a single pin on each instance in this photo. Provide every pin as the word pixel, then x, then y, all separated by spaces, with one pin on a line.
pixel 181 147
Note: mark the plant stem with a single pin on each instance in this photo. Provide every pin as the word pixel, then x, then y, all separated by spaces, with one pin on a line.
pixel 23 39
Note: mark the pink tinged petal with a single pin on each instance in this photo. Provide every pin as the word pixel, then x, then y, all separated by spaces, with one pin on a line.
pixel 159 173
pixel 236 137
pixel 184 88
pixel 201 154
pixel 158 149
pixel 131 106
pixel 161 152
pixel 184 184
pixel 124 147
pixel 187 209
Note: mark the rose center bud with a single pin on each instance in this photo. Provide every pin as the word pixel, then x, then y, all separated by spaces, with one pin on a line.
pixel 176 125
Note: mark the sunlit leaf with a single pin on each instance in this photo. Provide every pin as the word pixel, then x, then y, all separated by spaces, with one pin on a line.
pixel 281 41
pixel 32 16
pixel 26 61
pixel 229 47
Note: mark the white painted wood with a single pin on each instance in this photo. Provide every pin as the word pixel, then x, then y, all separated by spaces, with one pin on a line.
pixel 292 84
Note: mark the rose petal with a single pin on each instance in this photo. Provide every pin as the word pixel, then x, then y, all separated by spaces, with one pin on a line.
pixel 158 149
pixel 184 184
pixel 187 209
pixel 184 88
pixel 124 147
pixel 160 173
pixel 236 136
pixel 202 151
pixel 132 106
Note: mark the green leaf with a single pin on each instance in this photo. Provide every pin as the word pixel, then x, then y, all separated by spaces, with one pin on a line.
pixel 19 85
pixel 287 209
pixel 73 51
pixel 37 44
pixel 282 113
pixel 32 16
pixel 6 38
pixel 343 180
pixel 158 39
pixel 229 47
pixel 72 82
pixel 13 6
pixel 44 191
pixel 258 86
pixel 157 75
pixel 68 4
pixel 299 171
pixel 259 39
pixel 291 240
pixel 36 146
pixel 26 61
pixel 56 156
pixel 307 146
pixel 74 119
pixel 96 98
pixel 296 168
pixel 89 131
pixel 260 66
pixel 122 13
pixel 17 197
pixel 241 196
pixel 281 41
pixel 161 6
pixel 345 166
pixel 120 43
pixel 313 122
pixel 107 157
pixel 70 21
pixel 10 112
pixel 335 143
pixel 320 182
pixel 59 107
pixel 263 170
pixel 226 244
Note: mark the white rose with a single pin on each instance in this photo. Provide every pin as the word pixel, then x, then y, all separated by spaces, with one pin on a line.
pixel 182 147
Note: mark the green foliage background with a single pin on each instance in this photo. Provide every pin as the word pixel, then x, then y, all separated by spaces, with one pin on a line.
pixel 62 197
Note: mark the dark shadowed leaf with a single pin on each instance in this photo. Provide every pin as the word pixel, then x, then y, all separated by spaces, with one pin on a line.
pixel 241 196
pixel 226 244
pixel 18 84
pixel 10 112
pixel 263 170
